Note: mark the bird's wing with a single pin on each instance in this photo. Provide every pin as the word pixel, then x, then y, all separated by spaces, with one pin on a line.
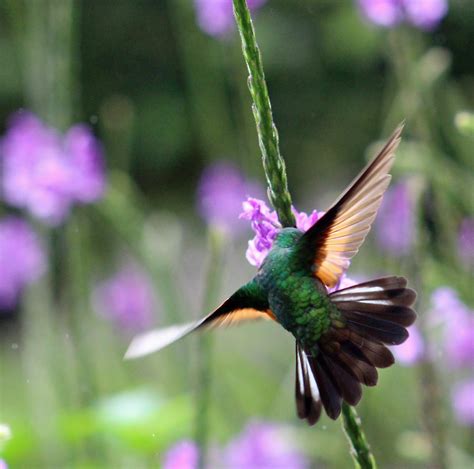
pixel 245 304
pixel 337 236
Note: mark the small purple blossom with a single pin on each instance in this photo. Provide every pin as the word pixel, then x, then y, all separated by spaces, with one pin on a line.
pixel 220 192
pixel 183 455
pixel 458 326
pixel 385 13
pixel 423 14
pixel 263 446
pixel 22 259
pixel 412 350
pixel 215 17
pixel 395 224
pixel 3 464
pixel 466 242
pixel 85 157
pixel 303 221
pixel 127 299
pixel 463 402
pixel 46 173
pixel 265 224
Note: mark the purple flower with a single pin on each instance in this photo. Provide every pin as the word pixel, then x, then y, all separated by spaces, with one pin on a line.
pixel 382 12
pixel 127 299
pixel 86 160
pixel 466 242
pixel 265 224
pixel 3 464
pixel 423 14
pixel 22 259
pixel 395 224
pixel 220 192
pixel 303 221
pixel 458 326
pixel 412 350
pixel 183 455
pixel 46 173
pixel 263 446
pixel 216 18
pixel 463 402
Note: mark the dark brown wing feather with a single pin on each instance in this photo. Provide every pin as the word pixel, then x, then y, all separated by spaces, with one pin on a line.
pixel 338 235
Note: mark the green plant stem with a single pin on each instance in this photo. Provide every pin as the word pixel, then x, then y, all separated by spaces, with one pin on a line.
pixel 405 51
pixel 205 347
pixel 273 162
pixel 48 75
pixel 360 449
pixel 275 172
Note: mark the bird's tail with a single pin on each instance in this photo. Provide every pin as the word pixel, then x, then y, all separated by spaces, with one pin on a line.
pixel 374 314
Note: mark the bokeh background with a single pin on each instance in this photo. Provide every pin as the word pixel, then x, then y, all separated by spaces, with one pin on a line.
pixel 127 148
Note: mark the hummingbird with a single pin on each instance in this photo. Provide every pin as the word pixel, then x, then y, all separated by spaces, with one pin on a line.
pixel 341 335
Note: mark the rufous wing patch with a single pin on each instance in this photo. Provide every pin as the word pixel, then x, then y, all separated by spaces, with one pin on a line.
pixel 340 232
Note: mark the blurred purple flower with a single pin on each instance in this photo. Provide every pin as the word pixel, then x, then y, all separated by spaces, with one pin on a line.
pixel 22 259
pixel 412 350
pixel 466 242
pixel 3 464
pixel 382 12
pixel 458 326
pixel 463 402
pixel 126 298
pixel 46 173
pixel 446 307
pixel 183 455
pixel 220 192
pixel 395 223
pixel 265 224
pixel 86 160
pixel 423 14
pixel 263 446
pixel 216 18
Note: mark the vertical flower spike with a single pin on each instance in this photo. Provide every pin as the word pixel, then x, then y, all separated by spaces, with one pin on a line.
pixel 127 299
pixel 46 173
pixel 22 259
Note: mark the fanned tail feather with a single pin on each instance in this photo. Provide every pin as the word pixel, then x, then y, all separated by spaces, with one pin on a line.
pixel 308 402
pixel 375 314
